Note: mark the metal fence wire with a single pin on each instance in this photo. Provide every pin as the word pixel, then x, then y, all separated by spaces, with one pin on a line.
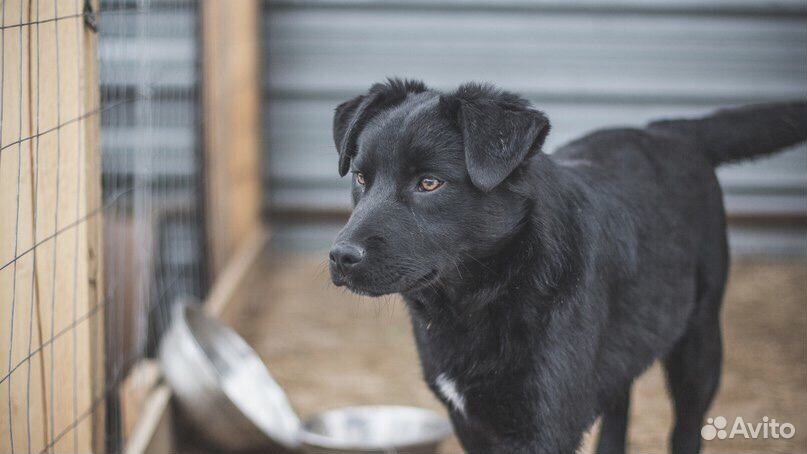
pixel 64 346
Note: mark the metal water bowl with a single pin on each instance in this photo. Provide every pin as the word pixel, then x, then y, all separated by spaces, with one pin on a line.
pixel 224 388
pixel 375 429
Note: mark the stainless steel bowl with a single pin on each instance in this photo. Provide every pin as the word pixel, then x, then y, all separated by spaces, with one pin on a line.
pixel 223 387
pixel 375 429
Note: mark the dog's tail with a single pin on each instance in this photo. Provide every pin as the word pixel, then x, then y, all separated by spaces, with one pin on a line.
pixel 735 134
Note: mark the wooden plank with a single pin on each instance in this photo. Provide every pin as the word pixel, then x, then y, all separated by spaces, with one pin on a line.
pixel 154 431
pixel 94 233
pixel 50 185
pixel 231 132
pixel 134 393
pixel 232 276
pixel 22 425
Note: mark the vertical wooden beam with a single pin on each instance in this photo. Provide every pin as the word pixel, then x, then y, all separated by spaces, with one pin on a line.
pixel 231 125
pixel 17 234
pixel 94 229
pixel 49 231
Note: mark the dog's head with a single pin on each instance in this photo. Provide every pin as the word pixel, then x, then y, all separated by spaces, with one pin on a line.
pixel 430 174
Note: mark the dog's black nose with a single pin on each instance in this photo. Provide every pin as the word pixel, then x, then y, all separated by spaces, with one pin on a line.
pixel 346 255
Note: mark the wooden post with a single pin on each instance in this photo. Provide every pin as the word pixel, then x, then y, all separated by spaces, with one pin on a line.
pixel 51 316
pixel 231 126
pixel 95 232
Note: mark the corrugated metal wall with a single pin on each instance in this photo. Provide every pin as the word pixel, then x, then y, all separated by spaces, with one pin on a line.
pixel 587 64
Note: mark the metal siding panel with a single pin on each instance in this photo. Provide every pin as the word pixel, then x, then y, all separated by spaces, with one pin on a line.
pixel 586 69
pixel 736 7
pixel 568 55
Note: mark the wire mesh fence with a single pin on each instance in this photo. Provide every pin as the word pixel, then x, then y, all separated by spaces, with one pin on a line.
pixel 89 261
pixel 153 240
pixel 49 228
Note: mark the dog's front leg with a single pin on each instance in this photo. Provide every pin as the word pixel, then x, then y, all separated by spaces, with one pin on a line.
pixel 614 428
pixel 481 438
pixel 474 440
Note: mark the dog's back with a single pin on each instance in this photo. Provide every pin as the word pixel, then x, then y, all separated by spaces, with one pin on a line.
pixel 663 180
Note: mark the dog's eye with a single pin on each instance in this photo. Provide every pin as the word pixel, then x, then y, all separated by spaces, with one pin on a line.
pixel 360 178
pixel 429 184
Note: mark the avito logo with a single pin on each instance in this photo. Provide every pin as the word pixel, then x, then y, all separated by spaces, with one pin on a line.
pixel 768 428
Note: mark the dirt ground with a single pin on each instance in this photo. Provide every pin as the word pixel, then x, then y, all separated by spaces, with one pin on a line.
pixel 329 348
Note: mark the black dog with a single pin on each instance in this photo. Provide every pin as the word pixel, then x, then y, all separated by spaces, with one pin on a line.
pixel 541 286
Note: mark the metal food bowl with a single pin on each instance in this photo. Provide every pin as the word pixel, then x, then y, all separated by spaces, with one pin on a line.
pixel 223 387
pixel 375 429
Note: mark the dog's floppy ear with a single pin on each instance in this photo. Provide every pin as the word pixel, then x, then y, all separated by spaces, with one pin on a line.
pixel 345 127
pixel 351 116
pixel 499 131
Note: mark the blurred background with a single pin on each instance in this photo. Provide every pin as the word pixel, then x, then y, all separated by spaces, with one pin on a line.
pixel 587 64
pixel 194 141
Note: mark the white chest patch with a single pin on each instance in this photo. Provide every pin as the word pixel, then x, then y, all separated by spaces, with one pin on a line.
pixel 449 391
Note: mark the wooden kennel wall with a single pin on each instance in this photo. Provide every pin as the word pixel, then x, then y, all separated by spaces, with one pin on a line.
pixel 52 309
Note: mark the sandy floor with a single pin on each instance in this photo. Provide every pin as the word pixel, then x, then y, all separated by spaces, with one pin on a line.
pixel 329 348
